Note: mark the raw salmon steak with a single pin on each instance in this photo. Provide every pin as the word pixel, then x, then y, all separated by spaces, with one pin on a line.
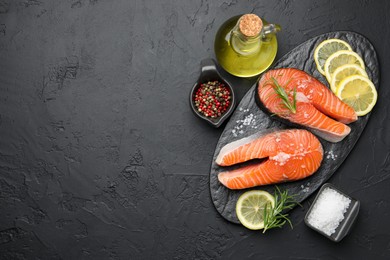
pixel 316 107
pixel 291 155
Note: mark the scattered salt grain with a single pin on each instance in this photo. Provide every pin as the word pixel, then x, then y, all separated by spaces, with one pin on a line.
pixel 307 188
pixel 331 155
pixel 248 121
pixel 328 211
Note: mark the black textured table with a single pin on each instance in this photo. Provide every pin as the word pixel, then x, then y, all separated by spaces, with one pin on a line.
pixel 101 157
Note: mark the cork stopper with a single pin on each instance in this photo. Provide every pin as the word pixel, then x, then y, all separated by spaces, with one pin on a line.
pixel 250 25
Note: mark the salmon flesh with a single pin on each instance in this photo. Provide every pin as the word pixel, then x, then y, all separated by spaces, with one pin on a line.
pixel 316 107
pixel 291 155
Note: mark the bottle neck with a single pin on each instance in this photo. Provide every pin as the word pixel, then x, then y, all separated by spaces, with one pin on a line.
pixel 244 45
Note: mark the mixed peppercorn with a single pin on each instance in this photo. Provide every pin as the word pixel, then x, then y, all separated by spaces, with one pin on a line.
pixel 212 99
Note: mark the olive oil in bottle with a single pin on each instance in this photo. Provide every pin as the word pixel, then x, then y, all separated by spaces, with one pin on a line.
pixel 246 45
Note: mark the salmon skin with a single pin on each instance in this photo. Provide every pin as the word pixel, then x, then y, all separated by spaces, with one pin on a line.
pixel 292 155
pixel 317 108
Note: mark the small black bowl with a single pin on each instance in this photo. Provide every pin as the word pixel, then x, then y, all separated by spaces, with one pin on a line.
pixel 209 72
pixel 349 216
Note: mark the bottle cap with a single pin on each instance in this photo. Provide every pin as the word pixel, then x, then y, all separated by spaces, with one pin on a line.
pixel 250 25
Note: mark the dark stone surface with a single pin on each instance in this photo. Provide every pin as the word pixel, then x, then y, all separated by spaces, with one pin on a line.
pixel 102 158
pixel 252 117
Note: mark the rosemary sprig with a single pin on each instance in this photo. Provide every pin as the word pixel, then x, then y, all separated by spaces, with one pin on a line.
pixel 274 216
pixel 292 106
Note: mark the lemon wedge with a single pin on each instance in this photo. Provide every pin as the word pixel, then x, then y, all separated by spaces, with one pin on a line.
pixel 340 58
pixel 345 71
pixel 250 208
pixel 327 48
pixel 358 92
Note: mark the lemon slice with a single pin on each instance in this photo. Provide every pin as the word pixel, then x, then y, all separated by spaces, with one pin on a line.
pixel 340 58
pixel 250 208
pixel 327 48
pixel 358 92
pixel 345 71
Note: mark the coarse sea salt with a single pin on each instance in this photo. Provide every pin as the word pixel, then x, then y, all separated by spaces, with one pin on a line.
pixel 249 121
pixel 281 158
pixel 328 211
pixel 331 155
pixel 307 188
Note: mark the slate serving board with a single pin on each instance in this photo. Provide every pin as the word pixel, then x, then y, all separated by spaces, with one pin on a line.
pixel 248 119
